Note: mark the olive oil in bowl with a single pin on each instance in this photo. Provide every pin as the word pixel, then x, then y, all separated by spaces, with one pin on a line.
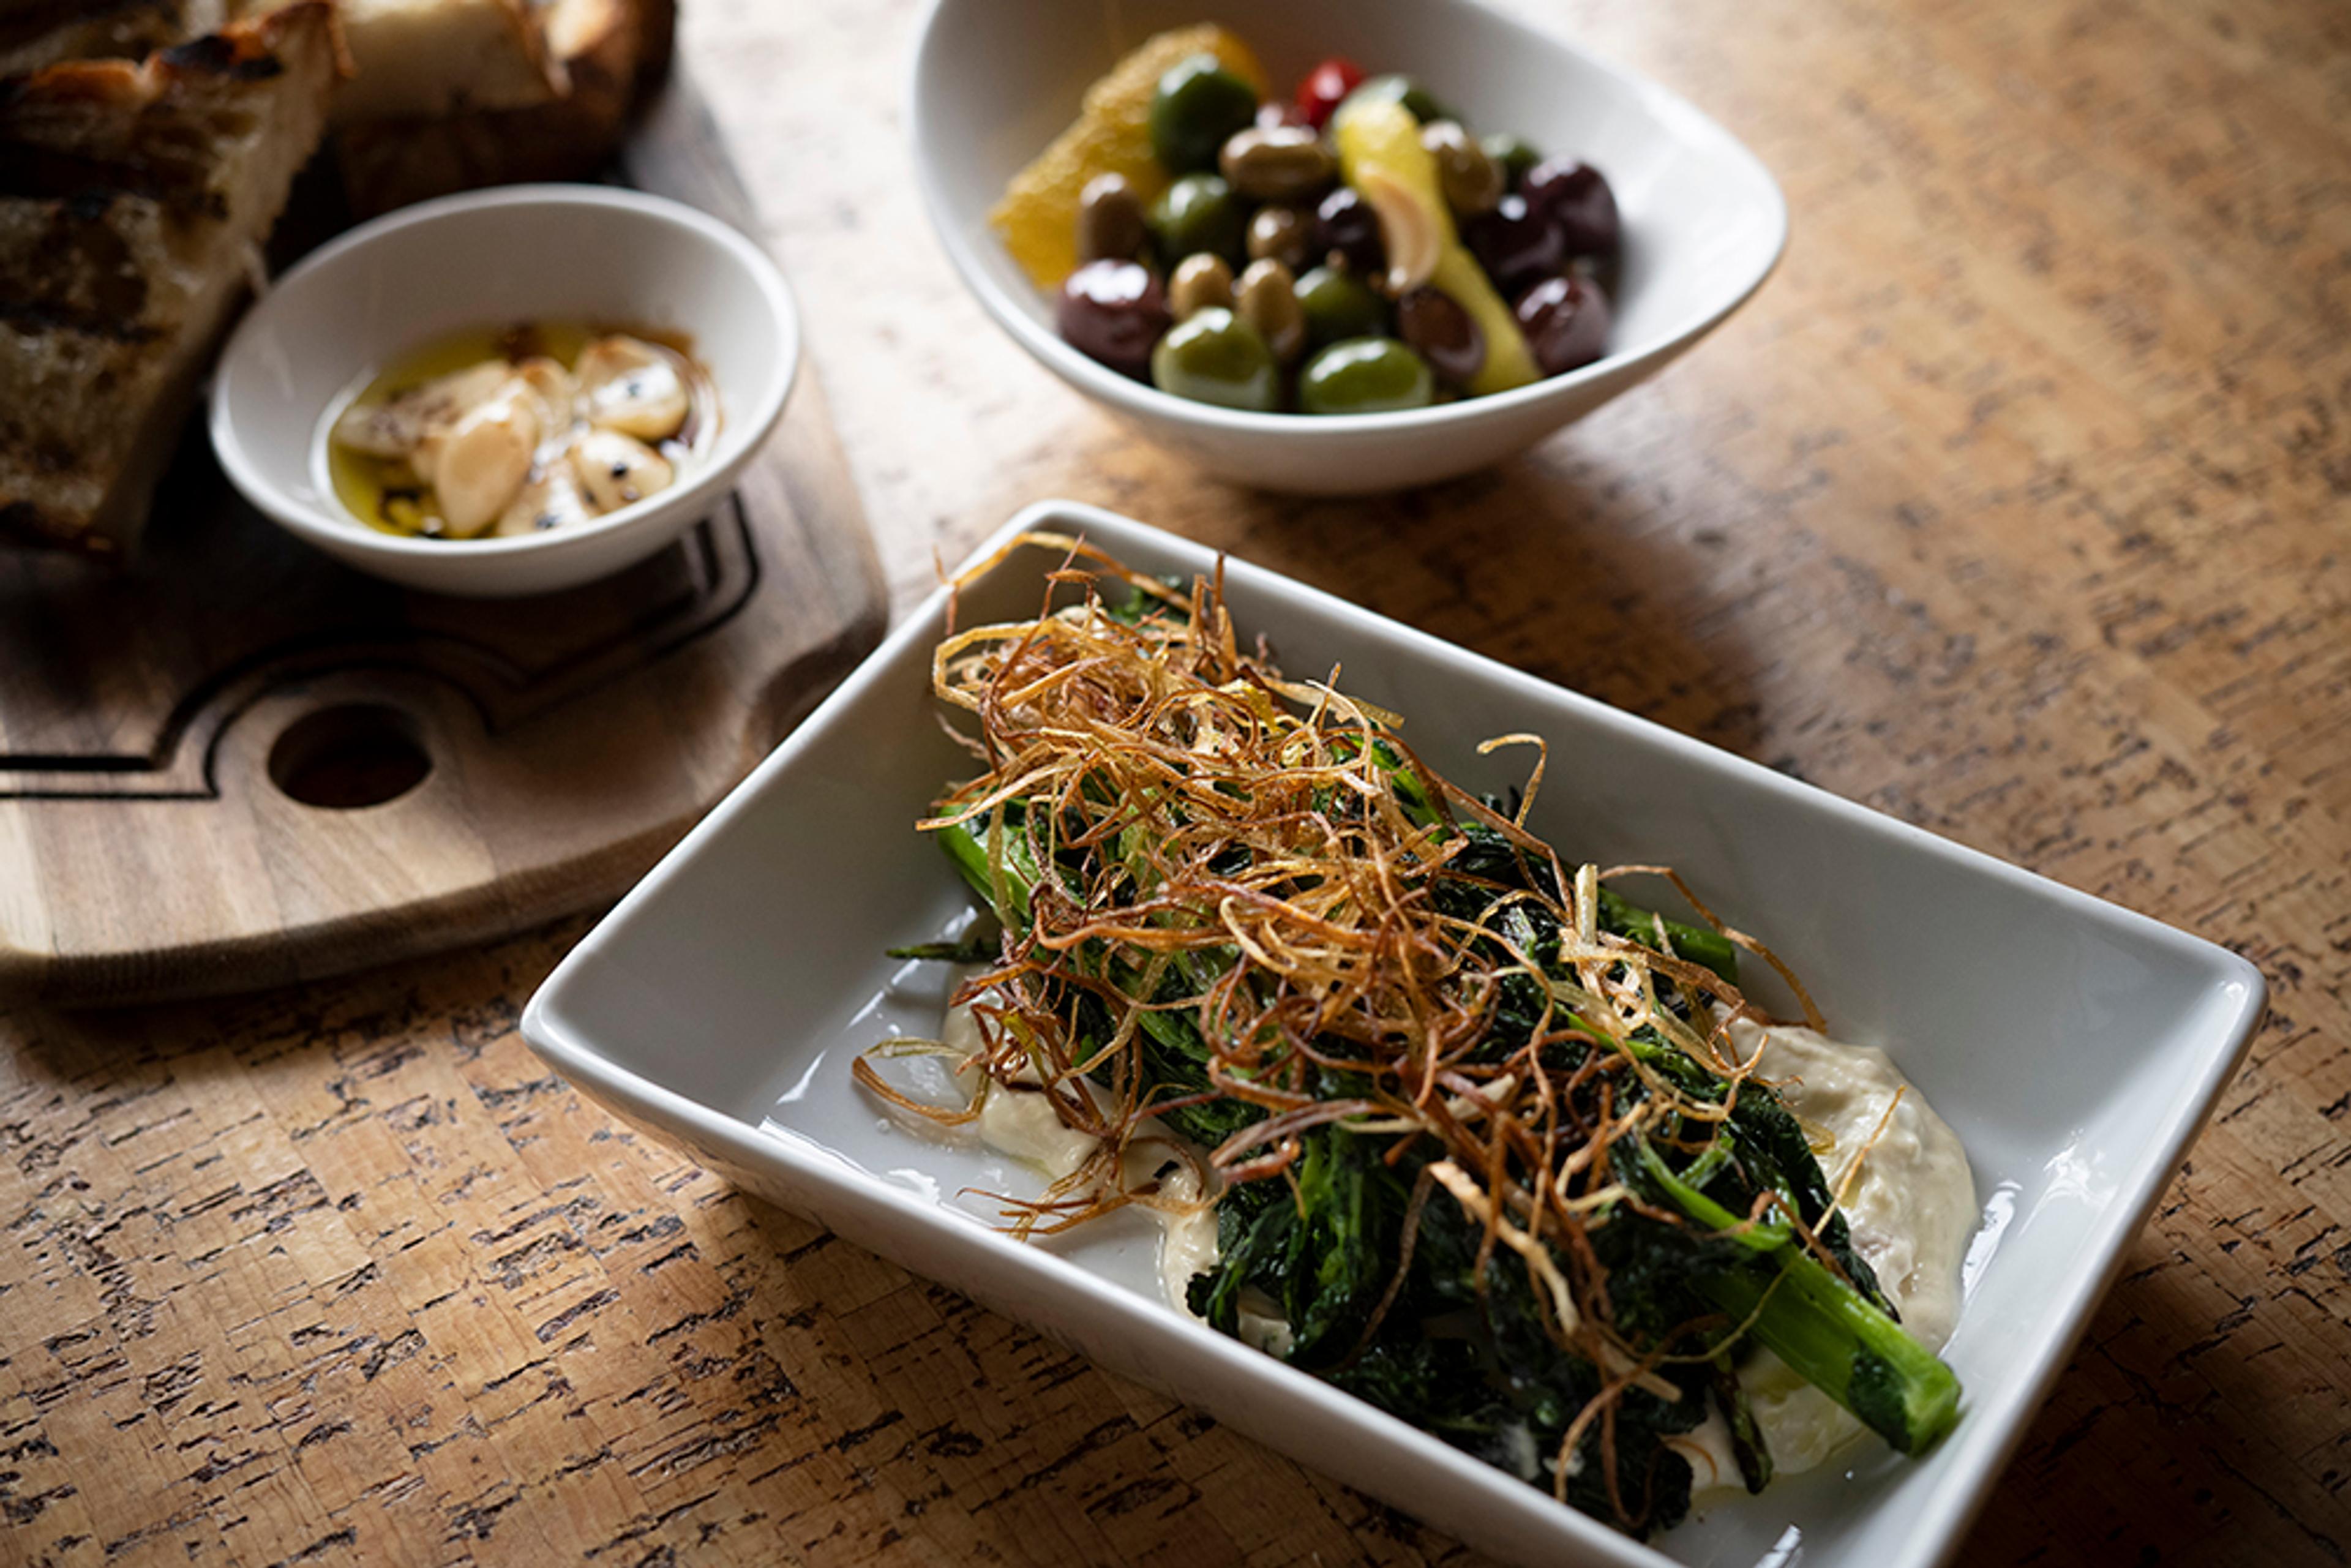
pixel 501 432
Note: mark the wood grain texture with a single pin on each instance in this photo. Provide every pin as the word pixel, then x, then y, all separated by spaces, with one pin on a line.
pixel 152 839
pixel 2018 504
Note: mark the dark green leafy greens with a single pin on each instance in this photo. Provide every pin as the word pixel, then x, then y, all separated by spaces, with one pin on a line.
pixel 1486 1163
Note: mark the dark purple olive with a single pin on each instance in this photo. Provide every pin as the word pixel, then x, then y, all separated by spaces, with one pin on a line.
pixel 1114 311
pixel 1442 333
pixel 1344 225
pixel 1515 244
pixel 1566 320
pixel 1575 197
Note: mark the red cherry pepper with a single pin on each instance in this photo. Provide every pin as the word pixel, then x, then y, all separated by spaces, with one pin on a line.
pixel 1325 85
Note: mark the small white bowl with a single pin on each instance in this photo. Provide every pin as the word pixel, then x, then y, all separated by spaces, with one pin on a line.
pixel 996 80
pixel 515 254
pixel 2075 1047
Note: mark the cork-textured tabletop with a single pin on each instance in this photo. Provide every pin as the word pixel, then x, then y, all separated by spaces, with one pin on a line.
pixel 2018 504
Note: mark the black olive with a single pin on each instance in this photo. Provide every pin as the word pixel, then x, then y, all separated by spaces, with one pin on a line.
pixel 1345 226
pixel 1574 196
pixel 1114 311
pixel 1516 243
pixel 1566 320
pixel 1443 334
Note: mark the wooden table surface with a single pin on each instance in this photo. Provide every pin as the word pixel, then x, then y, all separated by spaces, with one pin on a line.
pixel 2018 506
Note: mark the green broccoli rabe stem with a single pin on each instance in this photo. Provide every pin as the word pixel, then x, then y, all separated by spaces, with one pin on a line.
pixel 1747 1446
pixel 1698 943
pixel 1827 1332
pixel 968 850
pixel 1839 1344
pixel 1760 1236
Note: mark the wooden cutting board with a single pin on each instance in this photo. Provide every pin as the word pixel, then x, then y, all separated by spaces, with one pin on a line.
pixel 236 764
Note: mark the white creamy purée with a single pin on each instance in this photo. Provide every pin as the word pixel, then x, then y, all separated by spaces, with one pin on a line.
pixel 1911 1206
pixel 1022 1124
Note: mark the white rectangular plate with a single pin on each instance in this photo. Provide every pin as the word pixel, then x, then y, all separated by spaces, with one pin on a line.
pixel 2077 1047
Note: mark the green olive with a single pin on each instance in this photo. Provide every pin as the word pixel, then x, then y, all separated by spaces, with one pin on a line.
pixel 1277 163
pixel 1472 180
pixel 1267 298
pixel 1400 88
pixel 1337 304
pixel 1516 154
pixel 1200 213
pixel 1200 282
pixel 1365 375
pixel 1196 107
pixel 1213 356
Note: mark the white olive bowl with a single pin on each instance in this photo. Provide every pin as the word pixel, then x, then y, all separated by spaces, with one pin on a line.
pixel 996 80
pixel 520 253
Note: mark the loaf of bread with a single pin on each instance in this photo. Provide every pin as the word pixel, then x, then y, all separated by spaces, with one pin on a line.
pixel 135 196
pixel 425 59
pixel 607 51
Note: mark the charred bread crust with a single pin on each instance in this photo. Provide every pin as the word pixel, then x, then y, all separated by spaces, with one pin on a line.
pixel 120 111
pixel 44 34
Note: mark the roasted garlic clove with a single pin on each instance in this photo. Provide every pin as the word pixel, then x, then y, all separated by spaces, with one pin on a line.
pixel 615 470
pixel 477 469
pixel 557 392
pixel 550 499
pixel 632 386
pixel 1408 230
pixel 395 429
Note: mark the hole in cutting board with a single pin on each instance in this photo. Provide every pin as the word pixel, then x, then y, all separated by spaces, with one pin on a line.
pixel 348 755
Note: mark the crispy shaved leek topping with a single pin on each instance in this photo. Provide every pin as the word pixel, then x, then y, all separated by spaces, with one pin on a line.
pixel 1288 820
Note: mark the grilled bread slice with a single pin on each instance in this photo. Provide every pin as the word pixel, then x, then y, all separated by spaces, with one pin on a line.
pixel 133 197
pixel 609 50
